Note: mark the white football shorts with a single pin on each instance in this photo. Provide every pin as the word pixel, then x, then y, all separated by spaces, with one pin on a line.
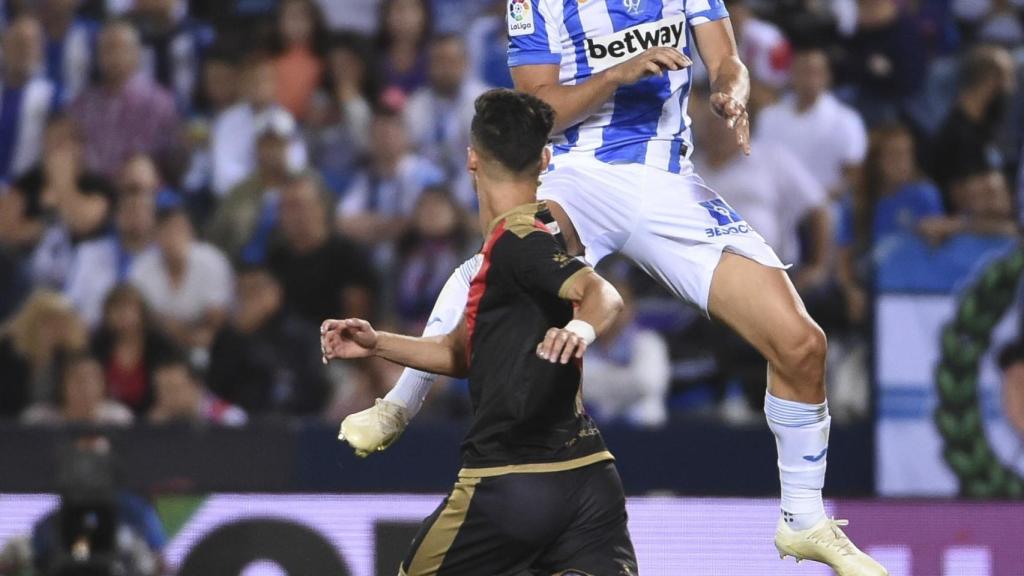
pixel 671 225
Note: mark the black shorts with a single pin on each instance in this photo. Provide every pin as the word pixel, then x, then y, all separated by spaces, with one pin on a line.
pixel 571 522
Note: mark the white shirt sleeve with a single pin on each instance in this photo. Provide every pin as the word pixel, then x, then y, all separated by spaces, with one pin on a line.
pixel 765 127
pixel 230 146
pixel 854 137
pixel 652 371
pixel 144 276
pixel 354 200
pixel 219 282
pixel 800 191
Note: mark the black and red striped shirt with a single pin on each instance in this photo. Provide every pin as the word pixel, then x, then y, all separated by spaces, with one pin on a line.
pixel 525 410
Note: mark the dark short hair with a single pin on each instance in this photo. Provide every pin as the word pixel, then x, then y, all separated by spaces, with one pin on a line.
pixel 175 358
pixel 1011 354
pixel 978 66
pixel 512 127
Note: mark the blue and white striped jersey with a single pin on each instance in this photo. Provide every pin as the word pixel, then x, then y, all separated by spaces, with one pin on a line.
pixel 643 123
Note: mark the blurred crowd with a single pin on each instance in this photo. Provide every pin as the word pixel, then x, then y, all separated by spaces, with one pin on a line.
pixel 188 188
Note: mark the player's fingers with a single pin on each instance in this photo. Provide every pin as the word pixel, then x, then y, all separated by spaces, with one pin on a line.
pixel 652 68
pixel 557 343
pixel 666 61
pixel 681 60
pixel 570 348
pixel 562 341
pixel 743 134
pixel 581 348
pixel 544 348
pixel 329 325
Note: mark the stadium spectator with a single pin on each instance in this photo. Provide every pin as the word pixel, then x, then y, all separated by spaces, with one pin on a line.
pixel 1020 189
pixel 885 60
pixel 980 203
pixel 63 154
pixel 81 398
pixel 219 81
pixel 405 28
pixel 338 124
pixel 324 275
pixel 487 46
pixel 1011 363
pixel 825 134
pixel 626 373
pixel 233 138
pixel 182 398
pixel 173 46
pixel 84 205
pixel 966 142
pixel 266 359
pixel 771 190
pixel 244 219
pixel 40 334
pixel 377 206
pixel 436 116
pixel 894 197
pixel 187 283
pixel 218 91
pixel 762 45
pixel 125 113
pixel 128 346
pixel 14 278
pixel 26 97
pixel 70 47
pixel 102 263
pixel 301 45
pixel 438 240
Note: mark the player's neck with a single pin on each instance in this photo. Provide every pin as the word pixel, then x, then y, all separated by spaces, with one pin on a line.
pixel 500 196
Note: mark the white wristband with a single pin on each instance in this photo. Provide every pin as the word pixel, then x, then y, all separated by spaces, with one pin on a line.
pixel 583 330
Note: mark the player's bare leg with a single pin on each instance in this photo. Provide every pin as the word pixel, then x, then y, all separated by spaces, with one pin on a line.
pixel 762 305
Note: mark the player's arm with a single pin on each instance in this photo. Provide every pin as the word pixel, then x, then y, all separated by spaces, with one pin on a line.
pixel 730 81
pixel 597 305
pixel 575 103
pixel 539 264
pixel 354 338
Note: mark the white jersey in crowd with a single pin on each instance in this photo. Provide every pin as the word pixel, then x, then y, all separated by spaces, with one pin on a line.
pixel 642 123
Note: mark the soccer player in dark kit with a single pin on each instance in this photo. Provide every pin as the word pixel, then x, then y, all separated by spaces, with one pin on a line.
pixel 538 493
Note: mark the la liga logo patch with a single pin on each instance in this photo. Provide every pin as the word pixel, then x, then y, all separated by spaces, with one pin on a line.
pixel 520 18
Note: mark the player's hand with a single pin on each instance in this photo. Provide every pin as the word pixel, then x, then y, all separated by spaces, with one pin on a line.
pixel 651 62
pixel 350 338
pixel 735 114
pixel 561 345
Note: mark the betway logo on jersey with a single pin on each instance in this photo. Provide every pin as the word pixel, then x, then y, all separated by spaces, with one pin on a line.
pixel 611 49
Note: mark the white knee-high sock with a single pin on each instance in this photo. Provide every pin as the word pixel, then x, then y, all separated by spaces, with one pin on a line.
pixel 413 385
pixel 801 436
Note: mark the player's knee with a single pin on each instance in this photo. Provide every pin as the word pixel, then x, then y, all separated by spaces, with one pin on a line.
pixel 802 353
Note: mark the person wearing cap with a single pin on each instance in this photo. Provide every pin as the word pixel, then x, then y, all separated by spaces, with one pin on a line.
pixel 234 133
pixel 242 224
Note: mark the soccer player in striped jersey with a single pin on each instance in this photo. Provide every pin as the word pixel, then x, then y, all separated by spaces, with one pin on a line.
pixel 617 74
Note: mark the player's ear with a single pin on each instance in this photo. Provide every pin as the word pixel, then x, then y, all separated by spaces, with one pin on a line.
pixel 545 159
pixel 472 160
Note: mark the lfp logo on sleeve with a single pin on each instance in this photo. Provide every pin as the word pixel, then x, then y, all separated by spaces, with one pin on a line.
pixel 520 18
